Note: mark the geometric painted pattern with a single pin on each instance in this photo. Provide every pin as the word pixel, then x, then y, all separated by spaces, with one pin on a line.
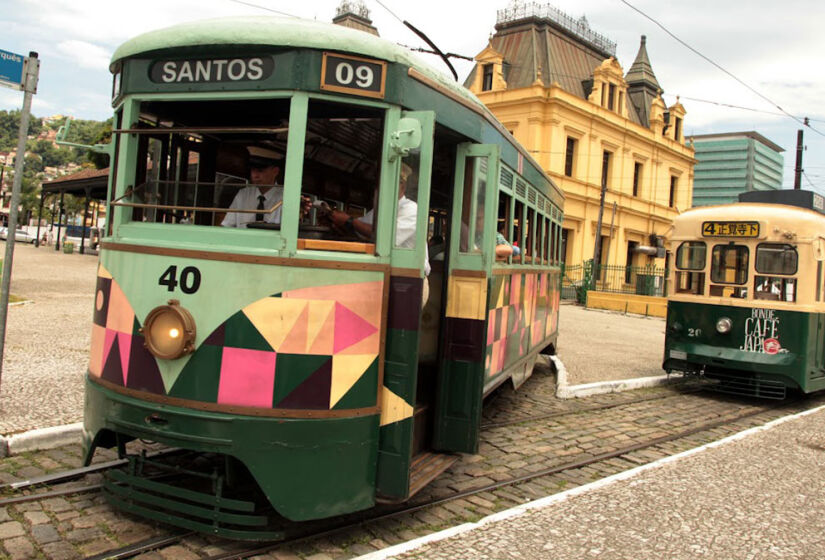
pixel 523 312
pixel 117 352
pixel 309 348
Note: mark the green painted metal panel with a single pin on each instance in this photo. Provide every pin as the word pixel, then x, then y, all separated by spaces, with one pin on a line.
pixel 395 450
pixel 459 406
pixel 766 341
pixel 393 476
pixel 308 468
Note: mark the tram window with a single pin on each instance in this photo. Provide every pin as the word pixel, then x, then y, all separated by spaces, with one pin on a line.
pixel 192 156
pixel 407 205
pixel 688 282
pixel 341 174
pixel 776 258
pixel 529 224
pixel 518 223
pixel 775 288
pixel 549 235
pixel 691 255
pixel 729 264
pixel 504 221
pixel 471 237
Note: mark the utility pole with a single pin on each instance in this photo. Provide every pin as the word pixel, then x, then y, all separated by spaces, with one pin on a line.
pixel 797 178
pixel 29 72
pixel 597 249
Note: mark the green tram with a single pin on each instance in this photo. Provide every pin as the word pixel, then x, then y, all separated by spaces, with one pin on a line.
pixel 335 366
pixel 747 303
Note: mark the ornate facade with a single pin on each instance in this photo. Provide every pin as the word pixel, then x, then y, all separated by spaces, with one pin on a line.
pixel 557 87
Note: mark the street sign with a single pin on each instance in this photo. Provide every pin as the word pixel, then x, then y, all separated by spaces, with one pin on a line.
pixel 11 69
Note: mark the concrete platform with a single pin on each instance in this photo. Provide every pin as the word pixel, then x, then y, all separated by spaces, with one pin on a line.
pixel 757 494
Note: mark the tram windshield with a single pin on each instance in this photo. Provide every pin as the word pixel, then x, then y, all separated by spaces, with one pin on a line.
pixel 729 265
pixel 223 163
pixel 773 259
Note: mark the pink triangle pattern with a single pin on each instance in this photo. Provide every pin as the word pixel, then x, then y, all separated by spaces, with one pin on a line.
pixel 349 328
pixel 107 343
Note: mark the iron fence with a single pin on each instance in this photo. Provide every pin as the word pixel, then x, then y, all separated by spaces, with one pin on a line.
pixel 638 280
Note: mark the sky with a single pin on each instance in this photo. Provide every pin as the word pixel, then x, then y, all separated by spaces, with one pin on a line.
pixel 770 52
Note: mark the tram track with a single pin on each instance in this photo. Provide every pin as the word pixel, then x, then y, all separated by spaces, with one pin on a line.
pixel 511 485
pixel 585 409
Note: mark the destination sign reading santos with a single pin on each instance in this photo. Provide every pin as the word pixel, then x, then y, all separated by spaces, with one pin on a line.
pixel 241 69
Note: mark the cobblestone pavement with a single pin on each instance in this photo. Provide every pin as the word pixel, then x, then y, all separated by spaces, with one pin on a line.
pixel 47 339
pixel 81 525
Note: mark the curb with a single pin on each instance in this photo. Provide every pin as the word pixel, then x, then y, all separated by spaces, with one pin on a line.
pixel 42 438
pixel 565 391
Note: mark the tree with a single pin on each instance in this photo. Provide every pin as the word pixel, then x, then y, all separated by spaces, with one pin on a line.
pixel 10 128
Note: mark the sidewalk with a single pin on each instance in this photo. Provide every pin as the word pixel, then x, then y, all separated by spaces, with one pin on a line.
pixel 47 339
pixel 758 494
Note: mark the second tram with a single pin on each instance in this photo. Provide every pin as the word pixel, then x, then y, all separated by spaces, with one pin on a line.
pixel 747 294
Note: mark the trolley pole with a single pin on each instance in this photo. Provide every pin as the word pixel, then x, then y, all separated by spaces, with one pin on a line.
pixel 28 83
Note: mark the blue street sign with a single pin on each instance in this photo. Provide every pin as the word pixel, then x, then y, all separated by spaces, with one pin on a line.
pixel 11 69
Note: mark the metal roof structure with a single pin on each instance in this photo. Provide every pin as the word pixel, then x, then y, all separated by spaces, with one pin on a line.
pixel 539 42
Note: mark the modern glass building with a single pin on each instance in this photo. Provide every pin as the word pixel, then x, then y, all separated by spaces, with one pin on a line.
pixel 734 162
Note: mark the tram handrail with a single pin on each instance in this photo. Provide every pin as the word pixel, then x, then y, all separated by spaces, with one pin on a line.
pixel 207 129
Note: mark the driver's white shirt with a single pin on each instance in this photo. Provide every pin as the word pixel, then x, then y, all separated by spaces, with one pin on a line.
pixel 247 199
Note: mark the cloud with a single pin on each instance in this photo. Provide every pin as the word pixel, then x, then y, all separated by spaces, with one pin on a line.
pixel 85 54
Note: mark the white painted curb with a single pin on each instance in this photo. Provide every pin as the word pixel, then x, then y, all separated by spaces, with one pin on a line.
pixel 43 438
pixel 565 391
pixel 562 496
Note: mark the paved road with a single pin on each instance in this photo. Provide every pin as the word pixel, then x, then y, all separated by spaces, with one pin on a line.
pixel 597 345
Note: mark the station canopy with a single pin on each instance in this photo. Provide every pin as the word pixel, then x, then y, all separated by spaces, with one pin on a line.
pixel 87 182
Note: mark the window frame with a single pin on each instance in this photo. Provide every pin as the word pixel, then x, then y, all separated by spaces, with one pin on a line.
pixel 704 255
pixel 776 272
pixel 714 269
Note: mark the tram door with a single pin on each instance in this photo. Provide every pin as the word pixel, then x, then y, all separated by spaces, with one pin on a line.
pixel 409 266
pixel 461 371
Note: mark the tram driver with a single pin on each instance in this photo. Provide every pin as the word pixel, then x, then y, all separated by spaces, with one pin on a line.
pixel 263 193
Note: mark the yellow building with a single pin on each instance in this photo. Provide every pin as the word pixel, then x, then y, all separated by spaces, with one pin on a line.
pixel 556 85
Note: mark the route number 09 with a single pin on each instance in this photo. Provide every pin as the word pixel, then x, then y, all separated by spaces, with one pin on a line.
pixel 362 75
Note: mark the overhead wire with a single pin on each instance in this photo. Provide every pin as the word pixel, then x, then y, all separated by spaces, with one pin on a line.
pixel 758 93
pixel 250 4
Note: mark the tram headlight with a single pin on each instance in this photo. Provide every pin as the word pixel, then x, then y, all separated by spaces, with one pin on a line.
pixel 169 331
pixel 724 325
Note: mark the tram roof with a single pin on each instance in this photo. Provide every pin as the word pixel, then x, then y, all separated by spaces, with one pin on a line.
pixel 280 31
pixel 299 33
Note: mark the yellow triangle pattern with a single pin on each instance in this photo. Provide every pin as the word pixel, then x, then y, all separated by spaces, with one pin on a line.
pixel 318 313
pixel 274 317
pixel 102 272
pixel 346 371
pixel 393 407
